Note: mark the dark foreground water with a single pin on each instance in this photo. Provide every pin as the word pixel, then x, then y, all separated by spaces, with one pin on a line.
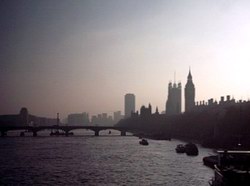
pixel 98 161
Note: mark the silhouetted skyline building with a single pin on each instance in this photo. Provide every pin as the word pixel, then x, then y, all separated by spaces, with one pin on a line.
pixel 173 104
pixel 24 118
pixel 102 120
pixel 214 104
pixel 144 112
pixel 129 105
pixel 78 119
pixel 117 116
pixel 189 93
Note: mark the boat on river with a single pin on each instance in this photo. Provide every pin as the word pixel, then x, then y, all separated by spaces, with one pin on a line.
pixel 233 168
pixel 143 142
pixel 210 161
pixel 191 149
pixel 180 148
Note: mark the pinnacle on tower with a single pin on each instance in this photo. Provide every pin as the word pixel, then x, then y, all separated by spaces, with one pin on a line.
pixel 156 110
pixel 189 74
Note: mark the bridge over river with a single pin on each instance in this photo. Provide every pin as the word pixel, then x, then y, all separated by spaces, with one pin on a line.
pixel 66 129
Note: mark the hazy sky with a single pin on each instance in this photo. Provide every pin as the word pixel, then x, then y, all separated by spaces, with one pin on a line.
pixel 71 56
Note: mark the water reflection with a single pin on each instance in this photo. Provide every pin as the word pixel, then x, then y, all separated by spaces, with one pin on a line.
pixel 100 160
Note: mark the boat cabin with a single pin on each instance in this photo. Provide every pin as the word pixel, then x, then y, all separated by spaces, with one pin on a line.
pixel 236 159
pixel 233 168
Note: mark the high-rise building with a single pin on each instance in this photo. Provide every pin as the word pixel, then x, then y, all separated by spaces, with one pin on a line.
pixel 189 93
pixel 173 104
pixel 129 104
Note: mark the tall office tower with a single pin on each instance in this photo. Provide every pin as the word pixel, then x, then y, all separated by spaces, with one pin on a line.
pixel 189 93
pixel 129 105
pixel 173 104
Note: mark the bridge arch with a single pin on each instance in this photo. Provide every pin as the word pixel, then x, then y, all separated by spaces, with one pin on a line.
pixel 97 130
pixel 66 129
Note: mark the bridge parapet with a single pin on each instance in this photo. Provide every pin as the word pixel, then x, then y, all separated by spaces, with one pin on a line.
pixel 66 129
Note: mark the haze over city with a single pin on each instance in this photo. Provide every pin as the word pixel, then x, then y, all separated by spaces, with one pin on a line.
pixel 84 56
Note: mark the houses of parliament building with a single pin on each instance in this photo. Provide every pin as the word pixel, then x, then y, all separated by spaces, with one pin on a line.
pixel 173 104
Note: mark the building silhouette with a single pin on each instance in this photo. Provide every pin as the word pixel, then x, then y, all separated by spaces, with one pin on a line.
pixel 78 119
pixel 173 104
pixel 129 105
pixel 102 120
pixel 24 118
pixel 144 112
pixel 117 116
pixel 189 93
pixel 225 102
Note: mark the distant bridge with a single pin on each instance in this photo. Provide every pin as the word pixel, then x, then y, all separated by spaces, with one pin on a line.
pixel 66 129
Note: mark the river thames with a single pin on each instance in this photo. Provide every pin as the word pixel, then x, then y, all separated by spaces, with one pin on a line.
pixel 103 160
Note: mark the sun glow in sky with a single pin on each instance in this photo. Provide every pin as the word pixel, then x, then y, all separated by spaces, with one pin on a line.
pixel 84 56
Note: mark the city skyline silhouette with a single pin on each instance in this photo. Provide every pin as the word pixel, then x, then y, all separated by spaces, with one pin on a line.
pixel 84 56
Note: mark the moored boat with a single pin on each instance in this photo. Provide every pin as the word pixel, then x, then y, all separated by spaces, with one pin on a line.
pixel 143 142
pixel 180 148
pixel 191 149
pixel 210 161
pixel 233 168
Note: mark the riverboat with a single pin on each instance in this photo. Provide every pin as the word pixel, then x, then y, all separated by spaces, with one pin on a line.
pixel 210 161
pixel 233 169
pixel 143 142
pixel 191 149
pixel 180 148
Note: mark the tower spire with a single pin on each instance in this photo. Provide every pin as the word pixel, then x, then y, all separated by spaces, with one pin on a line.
pixel 156 110
pixel 189 74
pixel 174 75
pixel 189 93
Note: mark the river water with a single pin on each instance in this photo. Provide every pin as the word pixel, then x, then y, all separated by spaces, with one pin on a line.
pixel 103 160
